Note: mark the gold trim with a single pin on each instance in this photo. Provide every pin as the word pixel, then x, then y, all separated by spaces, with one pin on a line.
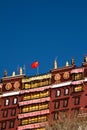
pixel 8 86
pixel 16 84
pixel 66 75
pixel 57 77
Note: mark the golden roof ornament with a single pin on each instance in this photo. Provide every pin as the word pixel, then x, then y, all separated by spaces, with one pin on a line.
pixel 13 74
pixel 20 71
pixel 85 58
pixel 72 61
pixel 5 73
pixel 67 63
pixel 55 64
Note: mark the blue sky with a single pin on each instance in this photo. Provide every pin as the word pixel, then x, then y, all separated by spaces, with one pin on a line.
pixel 41 30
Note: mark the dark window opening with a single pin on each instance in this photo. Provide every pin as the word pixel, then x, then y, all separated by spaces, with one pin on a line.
pixel 11 124
pixel 77 76
pixel 56 104
pixel 65 102
pixel 76 100
pixel 3 125
pixel 56 116
pixel 13 112
pixel 5 113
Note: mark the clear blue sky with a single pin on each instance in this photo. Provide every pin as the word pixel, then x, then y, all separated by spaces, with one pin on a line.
pixel 41 30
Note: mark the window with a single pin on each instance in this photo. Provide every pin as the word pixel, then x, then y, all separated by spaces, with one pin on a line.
pixel 77 76
pixel 5 113
pixel 15 101
pixel 58 93
pixel 25 109
pixel 55 115
pixel 66 91
pixel 27 86
pixel 56 104
pixel 65 102
pixel 3 125
pixel 24 121
pixel 78 88
pixel 76 100
pixel 26 97
pixel 13 112
pixel 7 102
pixel 11 124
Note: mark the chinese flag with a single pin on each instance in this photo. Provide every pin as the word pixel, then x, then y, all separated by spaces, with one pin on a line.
pixel 34 64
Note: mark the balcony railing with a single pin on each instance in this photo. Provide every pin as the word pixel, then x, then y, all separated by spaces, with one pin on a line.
pixel 34 89
pixel 79 70
pixel 34 101
pixel 32 126
pixel 77 82
pixel 42 112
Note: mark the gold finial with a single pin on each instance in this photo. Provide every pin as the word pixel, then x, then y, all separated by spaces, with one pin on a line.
pixel 72 61
pixel 20 71
pixel 5 73
pixel 13 74
pixel 67 63
pixel 85 58
pixel 55 64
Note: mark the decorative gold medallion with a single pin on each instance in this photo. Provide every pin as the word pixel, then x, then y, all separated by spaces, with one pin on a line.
pixel 57 77
pixel 66 75
pixel 16 84
pixel 8 86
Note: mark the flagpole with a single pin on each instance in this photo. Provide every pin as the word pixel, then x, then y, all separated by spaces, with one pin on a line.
pixel 37 70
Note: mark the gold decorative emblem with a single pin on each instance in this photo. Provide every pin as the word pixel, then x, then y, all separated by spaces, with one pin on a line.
pixel 8 86
pixel 66 75
pixel 16 84
pixel 57 77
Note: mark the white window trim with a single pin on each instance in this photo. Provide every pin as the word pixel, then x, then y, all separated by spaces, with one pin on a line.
pixel 7 102
pixel 58 92
pixel 66 91
pixel 15 100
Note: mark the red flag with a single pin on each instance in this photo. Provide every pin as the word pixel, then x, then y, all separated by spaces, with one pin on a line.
pixel 34 64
